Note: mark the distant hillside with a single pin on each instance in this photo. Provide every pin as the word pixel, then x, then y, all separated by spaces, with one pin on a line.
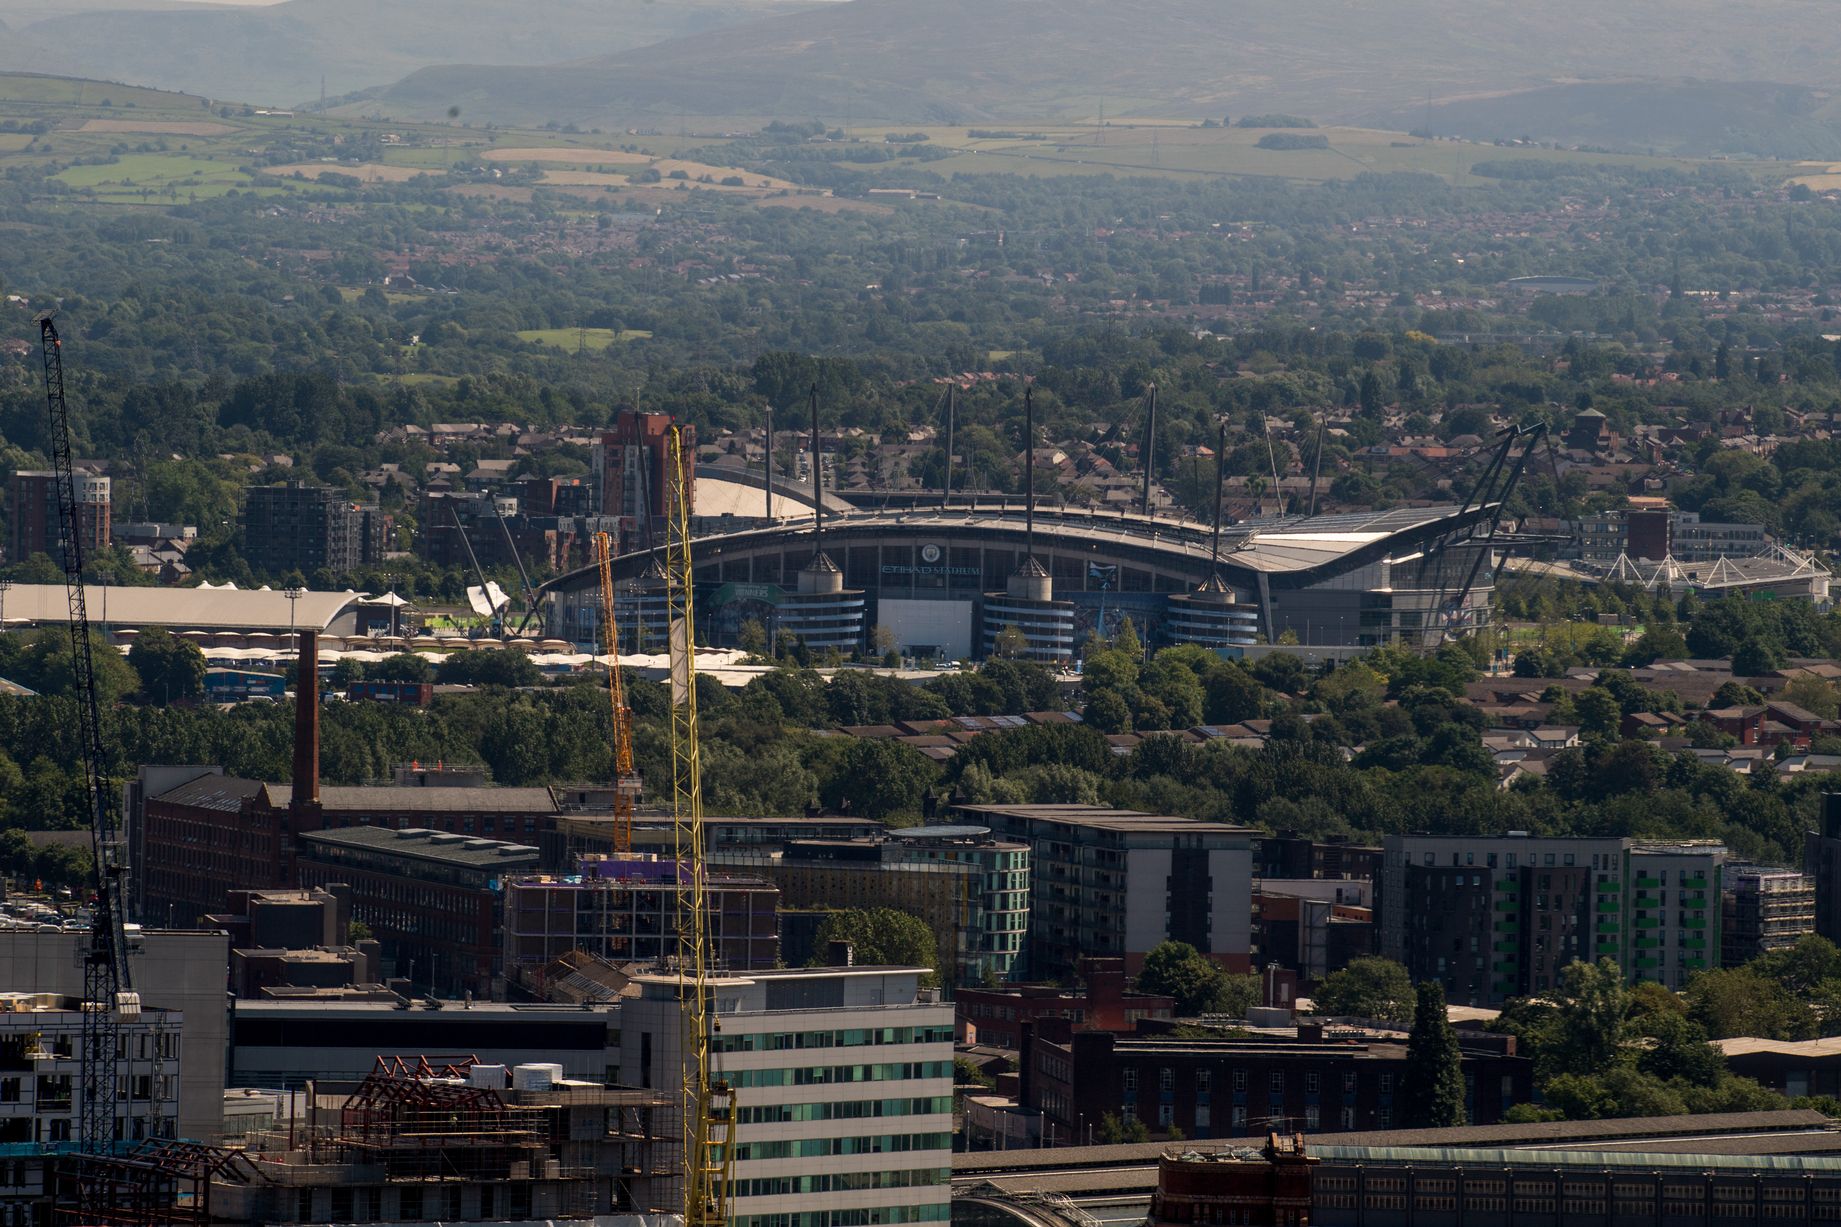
pixel 1694 118
pixel 960 60
pixel 278 54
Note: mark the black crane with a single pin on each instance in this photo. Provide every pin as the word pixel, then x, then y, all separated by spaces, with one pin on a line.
pixel 108 994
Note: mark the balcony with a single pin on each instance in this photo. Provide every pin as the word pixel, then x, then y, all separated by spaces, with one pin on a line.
pixel 1694 883
pixel 1647 922
pixel 1507 947
pixel 1609 905
pixel 1646 883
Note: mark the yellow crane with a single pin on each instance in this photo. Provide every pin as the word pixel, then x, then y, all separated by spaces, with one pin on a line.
pixel 709 1100
pixel 626 779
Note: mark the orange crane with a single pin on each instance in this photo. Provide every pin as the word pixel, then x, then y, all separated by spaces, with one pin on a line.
pixel 626 779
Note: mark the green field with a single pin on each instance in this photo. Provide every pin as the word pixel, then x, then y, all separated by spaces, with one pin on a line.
pixel 1185 151
pixel 159 178
pixel 575 340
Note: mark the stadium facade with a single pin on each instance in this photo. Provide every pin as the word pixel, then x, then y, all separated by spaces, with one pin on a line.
pixel 948 583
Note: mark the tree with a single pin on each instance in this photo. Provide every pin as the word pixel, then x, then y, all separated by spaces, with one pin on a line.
pixel 1179 970
pixel 1370 987
pixel 752 637
pixel 880 937
pixel 1590 1025
pixel 1738 1001
pixel 401 667
pixel 1010 643
pixel 171 669
pixel 877 779
pixel 1432 1094
pixel 1109 711
pixel 1599 713
pixel 490 667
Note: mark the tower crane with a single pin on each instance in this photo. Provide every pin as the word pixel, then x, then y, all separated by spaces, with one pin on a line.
pixel 109 998
pixel 626 779
pixel 709 1100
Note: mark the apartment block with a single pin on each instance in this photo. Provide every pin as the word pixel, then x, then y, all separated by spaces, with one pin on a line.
pixel 297 527
pixel 1822 862
pixel 971 888
pixel 1763 909
pixel 1494 917
pixel 36 523
pixel 843 1083
pixel 41 1054
pixel 1118 883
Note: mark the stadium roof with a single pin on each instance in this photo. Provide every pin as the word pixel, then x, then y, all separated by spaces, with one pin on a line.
pixel 179 608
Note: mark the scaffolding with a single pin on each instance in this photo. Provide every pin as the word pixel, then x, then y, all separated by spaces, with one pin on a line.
pixel 445 1132
pixel 157 1182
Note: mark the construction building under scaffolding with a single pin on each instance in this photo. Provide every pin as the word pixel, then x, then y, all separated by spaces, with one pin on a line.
pixel 458 1141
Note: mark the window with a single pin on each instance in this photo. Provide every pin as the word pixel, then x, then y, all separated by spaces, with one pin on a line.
pixel 1387 1084
pixel 1240 1080
pixel 1276 1082
pixel 1203 1078
pixel 1201 1117
pixel 1312 1082
pixel 1166 1114
pixel 1166 1079
pixel 1348 1083
pixel 1348 1118
pixel 1240 1118
pixel 1128 1078
pixel 1311 1117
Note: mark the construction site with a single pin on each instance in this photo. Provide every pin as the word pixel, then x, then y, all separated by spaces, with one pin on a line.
pixel 419 1138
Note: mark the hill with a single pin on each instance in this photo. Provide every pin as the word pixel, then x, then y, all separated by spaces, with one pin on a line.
pixel 278 54
pixel 962 60
pixel 1691 118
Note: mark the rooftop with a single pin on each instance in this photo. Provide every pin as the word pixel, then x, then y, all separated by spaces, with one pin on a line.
pixel 421 844
pixel 1100 818
pixel 192 608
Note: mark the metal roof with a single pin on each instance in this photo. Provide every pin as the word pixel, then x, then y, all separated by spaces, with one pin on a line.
pixel 417 843
pixel 183 608
pixel 435 799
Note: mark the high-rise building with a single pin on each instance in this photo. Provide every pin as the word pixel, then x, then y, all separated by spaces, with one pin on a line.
pixel 971 888
pixel 1763 909
pixel 1494 917
pixel 843 1085
pixel 297 527
pixel 1118 883
pixel 32 509
pixel 633 465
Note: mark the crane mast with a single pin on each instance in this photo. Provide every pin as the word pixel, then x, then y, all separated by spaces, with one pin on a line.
pixel 626 779
pixel 709 1100
pixel 108 996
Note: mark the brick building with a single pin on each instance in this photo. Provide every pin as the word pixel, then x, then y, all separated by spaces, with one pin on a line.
pixel 632 462
pixel 195 835
pixel 1319 1080
pixel 35 523
pixel 433 899
pixel 997 1017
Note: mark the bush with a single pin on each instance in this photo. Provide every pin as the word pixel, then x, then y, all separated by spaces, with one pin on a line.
pixel 1292 140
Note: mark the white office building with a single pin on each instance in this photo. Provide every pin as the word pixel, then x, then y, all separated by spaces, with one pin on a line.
pixel 843 1090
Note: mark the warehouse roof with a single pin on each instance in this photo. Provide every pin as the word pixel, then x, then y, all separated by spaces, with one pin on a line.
pixel 180 608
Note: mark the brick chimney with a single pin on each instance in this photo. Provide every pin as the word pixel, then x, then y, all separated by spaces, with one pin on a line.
pixel 307 724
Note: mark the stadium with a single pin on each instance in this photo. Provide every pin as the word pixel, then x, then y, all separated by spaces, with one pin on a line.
pixel 947 582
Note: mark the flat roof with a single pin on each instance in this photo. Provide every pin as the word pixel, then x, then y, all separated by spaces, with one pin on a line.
pixel 1098 817
pixel 199 608
pixel 421 844
pixel 437 799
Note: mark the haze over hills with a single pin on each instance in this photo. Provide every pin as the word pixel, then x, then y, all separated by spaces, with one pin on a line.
pixel 278 53
pixel 966 60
